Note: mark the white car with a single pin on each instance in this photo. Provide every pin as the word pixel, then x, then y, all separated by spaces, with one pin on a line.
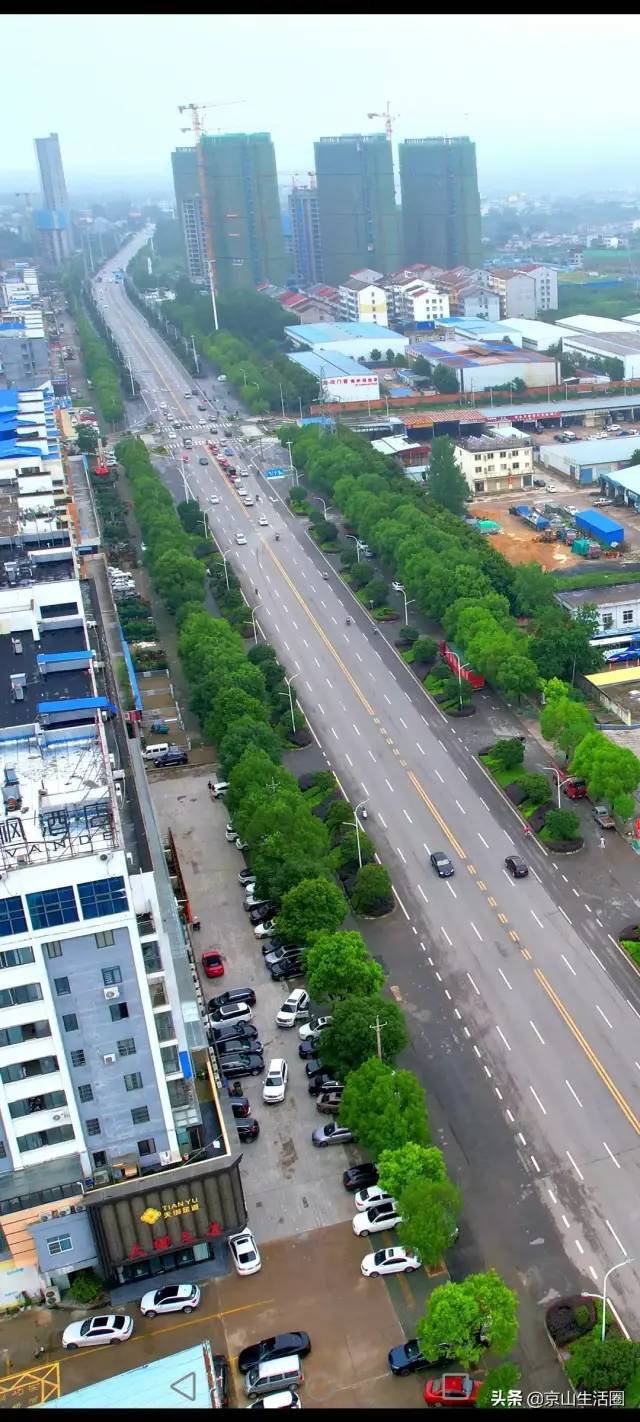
pixel 213 499
pixel 315 1025
pixel 274 1086
pixel 288 1398
pixel 390 1261
pixel 384 1215
pixel 552 488
pixel 264 522
pixel 230 1012
pixel 187 395
pixel 294 1009
pixel 249 888
pixel 231 835
pixel 245 1252
pixel 240 539
pixel 373 1195
pixel 105 1328
pixel 265 930
pixel 175 1298
pixel 571 508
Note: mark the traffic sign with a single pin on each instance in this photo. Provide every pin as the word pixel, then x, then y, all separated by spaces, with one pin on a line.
pixel 274 473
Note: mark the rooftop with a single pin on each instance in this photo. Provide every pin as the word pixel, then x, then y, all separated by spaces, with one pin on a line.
pixel 599 451
pixel 610 343
pixel 326 332
pixel 600 597
pixel 460 355
pixel 327 366
pixel 477 444
pixel 183 1379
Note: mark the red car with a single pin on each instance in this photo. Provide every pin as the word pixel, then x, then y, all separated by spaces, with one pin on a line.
pixel 452 1390
pixel 212 963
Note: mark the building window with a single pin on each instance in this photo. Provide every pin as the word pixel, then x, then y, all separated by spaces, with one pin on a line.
pixel 60 1244
pixel 53 949
pixel 24 1032
pixel 627 615
pixel 147 1146
pixel 101 897
pixel 133 1081
pixel 16 957
pixel 12 917
pixel 139 1115
pixel 78 1058
pixel 38 1139
pixel 607 621
pixel 93 1126
pixel 62 986
pixel 127 1047
pixel 106 939
pixel 99 1158
pixel 53 907
pixel 170 1060
pixel 118 1011
pixel 16 996
pixel 70 1022
pixel 21 1071
pixel 111 976
pixel 29 1105
pixel 85 1092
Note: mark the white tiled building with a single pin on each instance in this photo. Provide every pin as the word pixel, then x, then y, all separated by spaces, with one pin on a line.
pixel 493 464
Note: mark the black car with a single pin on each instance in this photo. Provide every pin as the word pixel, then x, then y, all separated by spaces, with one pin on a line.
pixel 177 757
pixel 537 484
pixel 240 1106
pixel 259 903
pixel 243 1064
pixel 516 866
pixel 273 946
pixel 269 1349
pixel 288 968
pixel 442 864
pixel 248 1130
pixel 223 1031
pixel 360 1177
pixel 230 1046
pixel 203 459
pixel 220 1380
pixel 260 913
pixel 245 875
pixel 224 999
pixel 290 960
pixel 308 1049
pixel 322 1082
pixel 314 1067
pixel 407 1358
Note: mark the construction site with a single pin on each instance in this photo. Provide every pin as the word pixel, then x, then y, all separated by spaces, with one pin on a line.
pixel 545 534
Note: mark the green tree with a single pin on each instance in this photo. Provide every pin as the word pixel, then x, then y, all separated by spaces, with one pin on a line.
pixel 372 890
pixel 244 734
pixel 86 438
pixel 463 1318
pixel 384 1108
pixel 535 786
pixel 565 722
pixel 562 824
pixel 610 770
pixel 425 649
pixel 533 589
pixel 179 578
pixel 499 1384
pixel 597 1366
pixel 421 366
pixel 398 1168
pixel 429 1210
pixel 351 1038
pixel 375 354
pixel 230 705
pixel 508 754
pixel 190 515
pixel 314 906
pixel 348 851
pixel 338 964
pixel 445 380
pixel 445 481
pixel 635 457
pixel 339 813
pixel 517 674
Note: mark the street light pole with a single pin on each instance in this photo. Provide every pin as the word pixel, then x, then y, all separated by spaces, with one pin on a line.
pixel 324 503
pixel 356 541
pixel 224 560
pixel 253 611
pixel 554 771
pixel 604 1292
pixel 357 825
pixel 461 665
pixel 289 680
pixel 407 604
pixel 282 403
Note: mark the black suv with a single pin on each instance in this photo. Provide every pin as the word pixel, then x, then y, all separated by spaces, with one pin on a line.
pixel 269 1349
pixel 360 1177
pixel 230 1047
pixel 287 968
pixel 516 866
pixel 222 1031
pixel 243 1064
pixel 176 757
pixel 224 999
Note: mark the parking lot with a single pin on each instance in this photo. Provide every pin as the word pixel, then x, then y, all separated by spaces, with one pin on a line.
pixel 290 1186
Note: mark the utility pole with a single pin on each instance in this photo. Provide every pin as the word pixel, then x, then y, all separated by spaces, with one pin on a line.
pixel 195 354
pixel 377 1028
pixel 128 362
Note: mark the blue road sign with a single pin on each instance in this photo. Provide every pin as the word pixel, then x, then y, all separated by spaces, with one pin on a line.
pixel 274 473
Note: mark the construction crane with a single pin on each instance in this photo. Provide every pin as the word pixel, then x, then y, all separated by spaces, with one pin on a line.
pixel 290 173
pixel 196 112
pixel 388 119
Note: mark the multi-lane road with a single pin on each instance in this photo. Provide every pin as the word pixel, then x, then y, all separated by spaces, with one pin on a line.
pixel 537 997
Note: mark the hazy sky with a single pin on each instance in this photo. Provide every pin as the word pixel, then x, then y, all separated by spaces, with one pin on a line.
pixel 549 100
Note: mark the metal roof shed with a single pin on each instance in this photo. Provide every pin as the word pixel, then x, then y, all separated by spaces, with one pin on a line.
pixel 606 530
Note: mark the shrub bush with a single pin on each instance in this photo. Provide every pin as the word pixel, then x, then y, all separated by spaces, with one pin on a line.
pixel 372 891
pixel 562 824
pixel 85 1287
pixel 425 649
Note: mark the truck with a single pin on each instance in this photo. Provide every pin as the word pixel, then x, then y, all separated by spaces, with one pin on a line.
pixel 603 817
pixel 455 660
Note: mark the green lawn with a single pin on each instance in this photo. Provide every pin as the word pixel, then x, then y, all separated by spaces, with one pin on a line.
pixel 632 947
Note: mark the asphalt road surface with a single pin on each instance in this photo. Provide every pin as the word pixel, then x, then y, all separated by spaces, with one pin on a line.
pixel 553 1026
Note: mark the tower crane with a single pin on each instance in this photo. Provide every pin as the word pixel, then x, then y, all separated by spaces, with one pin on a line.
pixel 196 112
pixel 388 119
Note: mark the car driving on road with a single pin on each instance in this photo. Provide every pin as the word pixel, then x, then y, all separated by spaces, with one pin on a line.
pixel 175 1298
pixel 104 1328
pixel 442 864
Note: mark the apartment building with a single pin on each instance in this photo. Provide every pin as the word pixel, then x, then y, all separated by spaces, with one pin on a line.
pixel 515 289
pixel 492 464
pixel 363 298
pixel 54 232
pixel 440 201
pixel 412 300
pixel 24 349
pixel 545 280
pixel 356 204
pixel 306 245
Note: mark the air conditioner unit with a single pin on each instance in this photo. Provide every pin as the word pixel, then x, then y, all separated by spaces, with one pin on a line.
pixel 51 1297
pixel 109 1058
pixel 62 1116
pixel 111 993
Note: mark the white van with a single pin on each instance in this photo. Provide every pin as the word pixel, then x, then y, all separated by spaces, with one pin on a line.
pixel 280 1375
pixel 219 788
pixel 152 752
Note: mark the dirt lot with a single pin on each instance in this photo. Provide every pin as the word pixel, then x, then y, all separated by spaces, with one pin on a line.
pixel 519 543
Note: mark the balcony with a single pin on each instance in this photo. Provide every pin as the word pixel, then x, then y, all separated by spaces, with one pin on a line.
pixel 146 924
pixel 158 995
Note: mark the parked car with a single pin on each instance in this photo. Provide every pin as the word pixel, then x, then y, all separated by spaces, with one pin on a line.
pixel 358 1177
pixel 575 789
pixel 268 1349
pixel 314 1026
pixel 452 1390
pixel 224 1031
pixel 103 1328
pixel 241 994
pixel 538 484
pixel 407 1358
pixel 274 1086
pixel 172 757
pixel 244 1252
pixel 288 968
pixel 175 1298
pixel 516 866
pixel 329 1101
pixel 313 1067
pixel 396 1260
pixel 248 1130
pixel 265 928
pixel 230 1012
pixel 307 1050
pixel 277 951
pixel 294 1009
pixel 261 913
pixel 442 864
pixel 230 834
pixel 245 876
pixel 370 1195
pixel 384 1215
pixel 243 1064
pixel 331 1134
pixel 287 1398
pixel 230 1046
pixel 212 963
pixel 324 1081
pixel 603 817
pixel 239 1104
